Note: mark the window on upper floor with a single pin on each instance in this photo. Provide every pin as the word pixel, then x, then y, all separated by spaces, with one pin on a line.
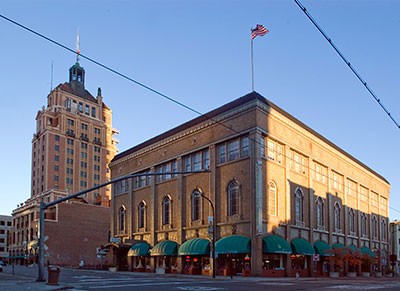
pixel 93 111
pixel 197 161
pixel 274 151
pixel 141 214
pixel 196 205
pixel 121 218
pixel 319 205
pixel 272 199
pixel 374 226
pixel 166 210
pixel 336 217
pixel 68 104
pixel 383 230
pixel 299 205
pixel 87 109
pixel 233 198
pixel 233 149
pixel 352 222
pixel 364 225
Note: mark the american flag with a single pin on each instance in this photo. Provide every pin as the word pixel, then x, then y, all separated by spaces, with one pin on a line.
pixel 258 30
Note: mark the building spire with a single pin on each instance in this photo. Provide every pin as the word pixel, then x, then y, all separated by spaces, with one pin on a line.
pixel 78 51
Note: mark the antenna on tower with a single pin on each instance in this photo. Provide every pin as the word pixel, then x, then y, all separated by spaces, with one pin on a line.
pixel 51 77
pixel 78 51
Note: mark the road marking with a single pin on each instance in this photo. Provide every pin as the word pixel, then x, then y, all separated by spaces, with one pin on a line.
pixel 276 284
pixel 138 285
pixel 199 288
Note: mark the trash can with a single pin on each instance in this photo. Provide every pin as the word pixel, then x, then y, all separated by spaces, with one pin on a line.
pixel 54 272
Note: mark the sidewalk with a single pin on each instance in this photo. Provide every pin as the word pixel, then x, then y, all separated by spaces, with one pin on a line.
pixel 17 283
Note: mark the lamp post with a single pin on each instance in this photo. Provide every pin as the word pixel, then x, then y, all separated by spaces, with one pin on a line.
pixel 213 231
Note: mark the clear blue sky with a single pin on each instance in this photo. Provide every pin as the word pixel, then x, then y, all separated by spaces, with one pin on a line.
pixel 198 52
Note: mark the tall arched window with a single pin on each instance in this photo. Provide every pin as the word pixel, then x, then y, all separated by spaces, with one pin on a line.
pixel 319 205
pixel 121 218
pixel 363 224
pixel 336 216
pixel 141 214
pixel 298 205
pixel 196 206
pixel 272 199
pixel 166 210
pixel 374 227
pixel 383 229
pixel 352 221
pixel 233 198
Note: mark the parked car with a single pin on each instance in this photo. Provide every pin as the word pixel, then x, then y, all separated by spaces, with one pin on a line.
pixel 2 263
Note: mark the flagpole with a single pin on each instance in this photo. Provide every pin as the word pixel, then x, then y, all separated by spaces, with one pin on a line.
pixel 252 67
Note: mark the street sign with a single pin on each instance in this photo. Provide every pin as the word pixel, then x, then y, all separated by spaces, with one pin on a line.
pixel 316 258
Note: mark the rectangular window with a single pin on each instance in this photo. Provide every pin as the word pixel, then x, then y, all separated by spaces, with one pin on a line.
pixel 57 137
pixel 55 178
pixel 70 161
pixel 56 147
pixel 87 109
pixel 93 111
pixel 70 141
pixel 196 161
pixel 56 168
pixel 70 151
pixel 70 122
pixel 188 164
pixel 80 107
pixel 84 145
pixel 222 153
pixel 83 174
pixel 84 165
pixel 84 126
pixel 56 158
pixel 70 171
pixel 84 155
pixel 97 130
pixel 245 147
pixel 97 149
pixel 233 150
pixel 271 150
pixel 206 159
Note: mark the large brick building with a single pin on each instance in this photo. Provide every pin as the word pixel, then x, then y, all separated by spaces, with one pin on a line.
pixel 5 226
pixel 281 191
pixel 71 149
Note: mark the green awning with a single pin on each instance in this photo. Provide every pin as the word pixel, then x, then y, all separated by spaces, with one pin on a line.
pixel 339 246
pixel 195 246
pixel 17 257
pixel 367 251
pixel 322 248
pixel 140 249
pixel 353 249
pixel 302 247
pixel 274 244
pixel 233 244
pixel 165 248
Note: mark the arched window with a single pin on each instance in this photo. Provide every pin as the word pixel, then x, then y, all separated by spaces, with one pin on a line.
pixel 233 198
pixel 141 214
pixel 298 205
pixel 166 210
pixel 352 221
pixel 336 216
pixel 363 224
pixel 196 206
pixel 121 218
pixel 272 199
pixel 319 205
pixel 374 227
pixel 383 230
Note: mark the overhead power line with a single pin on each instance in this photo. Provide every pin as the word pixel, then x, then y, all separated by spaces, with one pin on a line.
pixel 327 176
pixel 347 62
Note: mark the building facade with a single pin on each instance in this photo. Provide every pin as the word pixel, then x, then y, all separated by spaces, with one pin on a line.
pixel 71 149
pixel 5 226
pixel 282 194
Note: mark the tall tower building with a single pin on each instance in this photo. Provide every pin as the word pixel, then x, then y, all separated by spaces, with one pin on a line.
pixel 73 143
pixel 71 150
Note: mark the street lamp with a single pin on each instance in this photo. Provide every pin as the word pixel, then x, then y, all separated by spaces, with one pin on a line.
pixel 213 231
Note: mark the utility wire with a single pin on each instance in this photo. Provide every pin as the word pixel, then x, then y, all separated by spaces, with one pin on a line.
pixel 291 160
pixel 347 62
